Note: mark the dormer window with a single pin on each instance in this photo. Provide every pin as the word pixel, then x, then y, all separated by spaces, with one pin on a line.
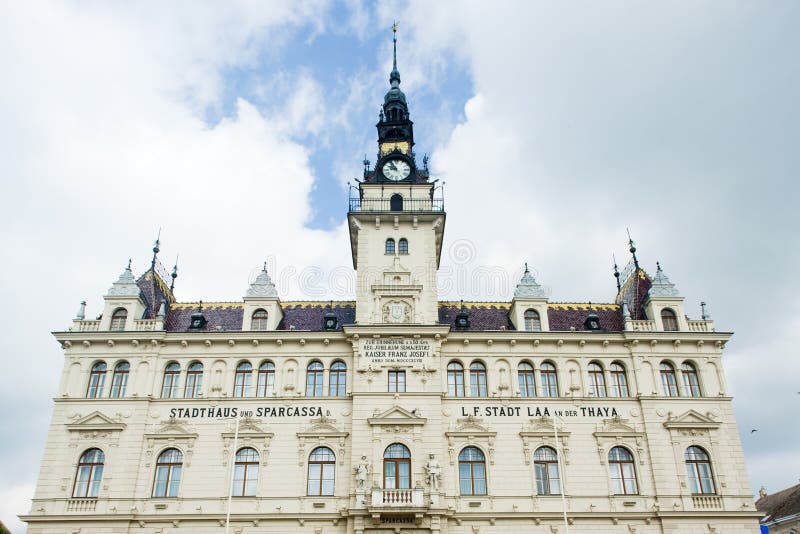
pixel 118 319
pixel 533 323
pixel 259 321
pixel 669 320
pixel 390 246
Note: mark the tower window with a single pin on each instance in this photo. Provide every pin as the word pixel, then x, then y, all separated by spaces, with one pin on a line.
pixel 390 246
pixel 402 246
pixel 259 321
pixel 118 319
pixel 669 320
pixel 396 203
pixel 532 321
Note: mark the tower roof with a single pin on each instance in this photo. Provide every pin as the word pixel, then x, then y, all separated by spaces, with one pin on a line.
pixel 262 286
pixel 661 286
pixel 125 286
pixel 528 288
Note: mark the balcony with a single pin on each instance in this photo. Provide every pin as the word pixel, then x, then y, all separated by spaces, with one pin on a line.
pixel 81 505
pixel 397 498
pixel 386 205
pixel 641 326
pixel 706 502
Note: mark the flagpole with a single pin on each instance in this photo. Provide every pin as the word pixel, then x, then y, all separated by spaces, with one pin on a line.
pixel 233 467
pixel 561 477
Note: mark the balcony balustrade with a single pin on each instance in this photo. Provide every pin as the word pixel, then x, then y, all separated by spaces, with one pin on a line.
pixel 386 205
pixel 397 498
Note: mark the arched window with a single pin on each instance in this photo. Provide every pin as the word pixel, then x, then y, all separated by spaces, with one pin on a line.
pixel 194 380
pixel 669 320
pixel 691 384
pixel 396 202
pixel 472 471
pixel 402 246
pixel 337 380
pixel 89 474
pixel 455 379
pixel 119 382
pixel 698 470
pixel 622 472
pixel 243 379
pixel 168 473
pixel 527 380
pixel 259 320
pixel 390 246
pixel 321 468
pixel 477 380
pixel 172 372
pixel 314 379
pixel 118 319
pixel 548 480
pixel 668 382
pixel 397 467
pixel 245 473
pixel 97 379
pixel 619 380
pixel 266 379
pixel 549 380
pixel 597 381
pixel 533 322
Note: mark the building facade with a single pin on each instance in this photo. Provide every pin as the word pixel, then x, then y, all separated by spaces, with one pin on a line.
pixel 396 412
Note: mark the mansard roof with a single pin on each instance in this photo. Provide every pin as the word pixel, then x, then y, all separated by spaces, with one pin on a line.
pixel 308 315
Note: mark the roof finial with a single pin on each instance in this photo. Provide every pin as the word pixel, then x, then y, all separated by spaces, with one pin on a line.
pixel 633 250
pixel 526 268
pixel 156 250
pixel 129 264
pixel 174 274
pixel 616 272
pixel 394 77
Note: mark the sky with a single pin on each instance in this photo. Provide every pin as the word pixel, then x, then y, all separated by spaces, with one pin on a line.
pixel 235 127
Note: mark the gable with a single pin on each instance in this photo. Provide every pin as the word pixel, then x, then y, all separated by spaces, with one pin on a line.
pixel 397 415
pixel 95 421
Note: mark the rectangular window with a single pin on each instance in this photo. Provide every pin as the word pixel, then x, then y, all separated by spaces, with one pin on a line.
pixel 397 381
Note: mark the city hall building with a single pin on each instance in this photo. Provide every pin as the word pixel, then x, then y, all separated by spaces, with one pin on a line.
pixel 395 413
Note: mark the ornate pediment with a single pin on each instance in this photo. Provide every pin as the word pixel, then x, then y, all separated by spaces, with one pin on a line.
pixel 248 428
pixel 690 420
pixel 617 427
pixel 96 422
pixel 171 429
pixel 542 426
pixel 397 415
pixel 470 425
pixel 322 427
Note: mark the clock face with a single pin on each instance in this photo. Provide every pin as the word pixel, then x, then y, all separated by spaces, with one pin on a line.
pixel 396 169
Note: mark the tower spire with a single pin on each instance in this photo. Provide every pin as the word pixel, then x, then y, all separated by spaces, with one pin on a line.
pixel 616 273
pixel 633 250
pixel 156 250
pixel 394 77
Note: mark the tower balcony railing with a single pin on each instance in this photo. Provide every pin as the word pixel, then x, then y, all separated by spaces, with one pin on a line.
pixel 386 205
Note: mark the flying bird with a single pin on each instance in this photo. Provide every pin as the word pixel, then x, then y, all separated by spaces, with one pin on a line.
pixel 754 430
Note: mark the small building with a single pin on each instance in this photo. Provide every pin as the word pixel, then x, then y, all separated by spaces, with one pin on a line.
pixel 781 511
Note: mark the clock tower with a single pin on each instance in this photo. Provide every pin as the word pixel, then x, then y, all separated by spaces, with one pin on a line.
pixel 396 223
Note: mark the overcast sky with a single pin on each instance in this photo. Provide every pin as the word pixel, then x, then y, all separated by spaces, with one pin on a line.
pixel 235 127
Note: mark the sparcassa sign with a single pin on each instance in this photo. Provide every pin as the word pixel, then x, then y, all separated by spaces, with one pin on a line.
pixel 413 352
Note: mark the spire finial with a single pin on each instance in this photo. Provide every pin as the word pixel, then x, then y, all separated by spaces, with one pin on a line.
pixel 633 250
pixel 174 274
pixel 616 272
pixel 129 264
pixel 394 77
pixel 526 268
pixel 156 250
pixel 658 266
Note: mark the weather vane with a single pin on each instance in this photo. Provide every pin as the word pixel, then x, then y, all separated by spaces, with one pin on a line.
pixel 395 25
